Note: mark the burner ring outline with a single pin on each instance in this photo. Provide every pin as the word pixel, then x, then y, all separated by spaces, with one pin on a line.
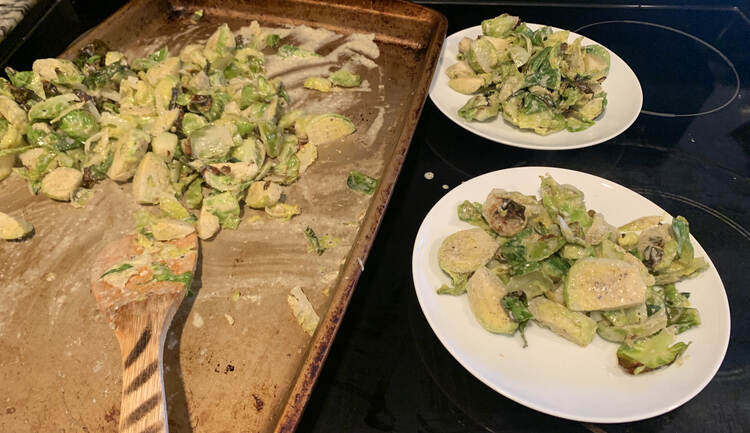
pixel 695 38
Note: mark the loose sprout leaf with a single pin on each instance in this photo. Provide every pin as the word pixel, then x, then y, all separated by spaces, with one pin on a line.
pixel 303 310
pixel 315 245
pixel 650 353
pixel 272 40
pixel 116 269
pixel 458 286
pixel 358 181
pixel 515 303
pixel 163 273
pixel 681 230
pixel 292 51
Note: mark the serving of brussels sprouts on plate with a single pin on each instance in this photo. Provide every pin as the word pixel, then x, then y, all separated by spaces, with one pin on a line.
pixel 200 129
pixel 523 252
pixel 534 86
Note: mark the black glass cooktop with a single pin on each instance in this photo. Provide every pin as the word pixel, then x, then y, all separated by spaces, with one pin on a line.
pixel 687 152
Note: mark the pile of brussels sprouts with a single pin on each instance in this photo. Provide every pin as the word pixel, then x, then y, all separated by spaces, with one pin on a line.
pixel 203 130
pixel 535 78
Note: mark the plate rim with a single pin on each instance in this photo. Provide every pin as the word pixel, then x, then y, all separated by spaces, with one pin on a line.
pixel 468 125
pixel 531 404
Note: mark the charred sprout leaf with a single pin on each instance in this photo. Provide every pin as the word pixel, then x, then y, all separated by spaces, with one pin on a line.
pixel 314 242
pixel 94 173
pixel 650 353
pixel 358 181
pixel 516 304
pixel 116 269
pixel 652 309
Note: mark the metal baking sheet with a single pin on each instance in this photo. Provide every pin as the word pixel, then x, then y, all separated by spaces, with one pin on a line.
pixel 235 358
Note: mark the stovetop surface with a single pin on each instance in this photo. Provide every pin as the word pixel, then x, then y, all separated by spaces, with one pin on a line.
pixel 687 152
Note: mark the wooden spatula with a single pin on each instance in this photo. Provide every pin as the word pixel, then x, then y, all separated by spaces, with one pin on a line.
pixel 140 293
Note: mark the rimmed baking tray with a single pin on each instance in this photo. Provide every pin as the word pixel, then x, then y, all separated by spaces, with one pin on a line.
pixel 235 358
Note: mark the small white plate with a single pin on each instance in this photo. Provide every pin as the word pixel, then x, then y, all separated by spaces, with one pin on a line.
pixel 553 375
pixel 624 101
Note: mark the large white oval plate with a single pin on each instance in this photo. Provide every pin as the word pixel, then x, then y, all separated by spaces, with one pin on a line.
pixel 624 101
pixel 553 375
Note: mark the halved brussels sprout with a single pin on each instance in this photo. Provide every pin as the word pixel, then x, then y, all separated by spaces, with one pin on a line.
pixel 226 207
pixel 230 176
pixel 466 251
pixel 263 194
pixel 482 56
pixel 219 49
pixel 208 224
pixel 596 61
pixel 58 71
pixel 485 291
pixel 52 107
pixel 571 325
pixel 13 113
pixel 168 68
pixel 14 228
pixel 504 215
pixel 128 152
pixel 151 180
pixel 323 128
pixel 193 54
pixel 499 26
pixel 460 69
pixel 79 124
pixel 60 183
pixel 165 145
pixel 595 284
pixel 466 84
pixel 211 142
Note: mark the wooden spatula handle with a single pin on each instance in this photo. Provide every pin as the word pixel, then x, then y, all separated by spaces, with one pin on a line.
pixel 141 328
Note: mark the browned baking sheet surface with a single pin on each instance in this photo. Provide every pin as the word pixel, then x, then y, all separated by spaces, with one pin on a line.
pixel 235 359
